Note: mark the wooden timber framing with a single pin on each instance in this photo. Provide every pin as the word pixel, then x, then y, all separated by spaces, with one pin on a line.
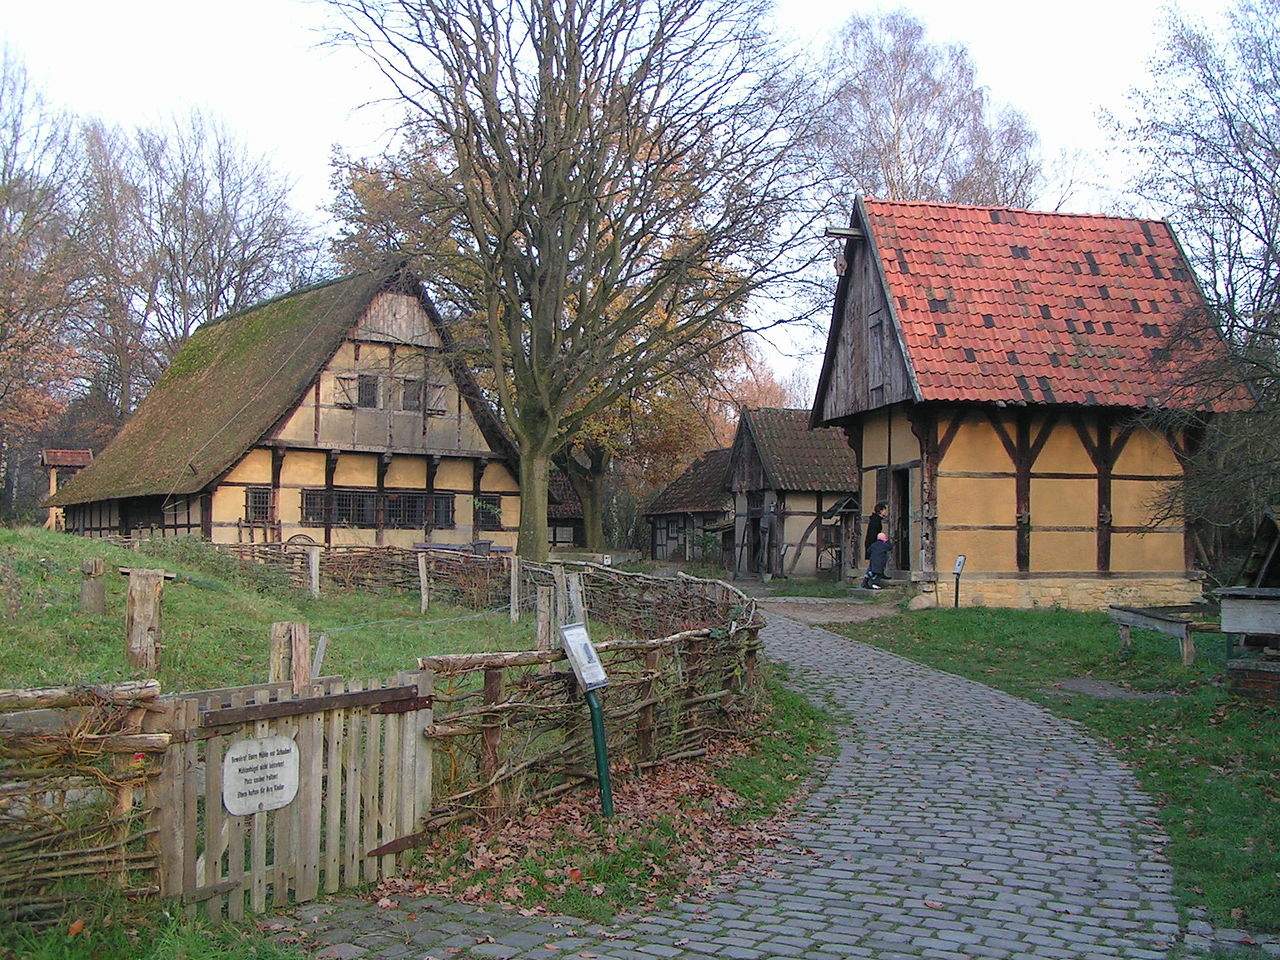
pixel 996 387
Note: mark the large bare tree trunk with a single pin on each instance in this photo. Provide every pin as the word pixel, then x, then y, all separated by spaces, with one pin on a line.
pixel 535 464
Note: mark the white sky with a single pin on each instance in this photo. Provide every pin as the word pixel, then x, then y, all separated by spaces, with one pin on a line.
pixel 256 65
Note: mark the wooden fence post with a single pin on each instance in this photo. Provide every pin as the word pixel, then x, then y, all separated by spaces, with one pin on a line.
pixel 490 757
pixel 562 594
pixel 313 570
pixel 142 617
pixel 577 609
pixel 515 590
pixel 93 588
pixel 291 655
pixel 424 585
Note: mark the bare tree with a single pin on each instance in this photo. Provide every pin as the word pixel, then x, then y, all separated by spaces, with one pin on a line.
pixel 619 180
pixel 185 227
pixel 1206 141
pixel 37 265
pixel 907 120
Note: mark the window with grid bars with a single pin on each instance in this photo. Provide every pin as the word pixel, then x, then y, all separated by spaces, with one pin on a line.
pixel 488 512
pixel 257 504
pixel 352 508
pixel 440 516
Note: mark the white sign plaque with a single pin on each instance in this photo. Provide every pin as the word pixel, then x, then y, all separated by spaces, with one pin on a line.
pixel 959 565
pixel 259 775
pixel 582 656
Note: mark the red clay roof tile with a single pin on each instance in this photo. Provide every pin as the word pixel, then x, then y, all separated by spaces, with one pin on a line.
pixel 1016 289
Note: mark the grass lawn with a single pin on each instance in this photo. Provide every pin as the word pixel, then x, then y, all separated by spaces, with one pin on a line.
pixel 1212 761
pixel 216 618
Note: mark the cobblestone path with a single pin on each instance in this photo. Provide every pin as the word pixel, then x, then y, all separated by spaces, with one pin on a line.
pixel 955 822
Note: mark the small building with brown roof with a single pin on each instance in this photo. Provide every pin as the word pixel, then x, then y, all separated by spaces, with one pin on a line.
pixel 61 465
pixel 690 519
pixel 337 413
pixel 795 494
pixel 989 367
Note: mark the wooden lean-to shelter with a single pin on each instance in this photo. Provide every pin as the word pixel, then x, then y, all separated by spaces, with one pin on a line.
pixel 795 493
pixel 337 412
pixel 989 367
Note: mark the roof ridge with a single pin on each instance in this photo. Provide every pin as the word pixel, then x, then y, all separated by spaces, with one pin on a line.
pixel 1040 213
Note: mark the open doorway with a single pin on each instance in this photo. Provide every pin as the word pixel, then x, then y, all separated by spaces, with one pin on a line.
pixel 900 518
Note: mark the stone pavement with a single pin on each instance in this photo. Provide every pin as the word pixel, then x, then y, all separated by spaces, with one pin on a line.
pixel 955 822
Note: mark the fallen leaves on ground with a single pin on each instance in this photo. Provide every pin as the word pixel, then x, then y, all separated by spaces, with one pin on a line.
pixel 672 834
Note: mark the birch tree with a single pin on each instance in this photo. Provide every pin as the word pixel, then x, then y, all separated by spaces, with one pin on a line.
pixel 618 181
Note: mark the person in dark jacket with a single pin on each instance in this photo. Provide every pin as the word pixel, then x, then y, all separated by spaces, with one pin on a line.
pixel 875 524
pixel 879 560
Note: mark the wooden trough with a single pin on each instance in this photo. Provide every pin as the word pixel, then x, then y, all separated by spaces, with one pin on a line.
pixel 1174 621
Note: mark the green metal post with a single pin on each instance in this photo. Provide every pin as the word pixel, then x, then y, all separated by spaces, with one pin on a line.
pixel 602 753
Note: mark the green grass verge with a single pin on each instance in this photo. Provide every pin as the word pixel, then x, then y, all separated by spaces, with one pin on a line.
pixel 673 831
pixel 1211 760
pixel 216 617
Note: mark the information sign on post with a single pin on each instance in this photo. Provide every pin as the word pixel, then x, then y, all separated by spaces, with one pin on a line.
pixel 582 656
pixel 259 775
pixel 958 570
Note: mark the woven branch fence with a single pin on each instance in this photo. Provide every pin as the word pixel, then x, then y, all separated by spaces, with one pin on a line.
pixel 91 781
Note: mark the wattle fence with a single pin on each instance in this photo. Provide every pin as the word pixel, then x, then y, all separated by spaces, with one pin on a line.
pixel 241 799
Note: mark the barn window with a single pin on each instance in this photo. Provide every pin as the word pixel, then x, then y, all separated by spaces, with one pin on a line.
pixel 440 511
pixel 404 510
pixel 488 512
pixel 313 506
pixel 352 508
pixel 366 390
pixel 411 395
pixel 257 504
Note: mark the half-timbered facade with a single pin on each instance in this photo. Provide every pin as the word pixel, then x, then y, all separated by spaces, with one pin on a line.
pixel 336 413
pixel 989 367
pixel 795 496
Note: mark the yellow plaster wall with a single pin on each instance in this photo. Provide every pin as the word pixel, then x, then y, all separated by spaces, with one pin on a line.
pixel 228 505
pixel 875 443
pixel 254 468
pixel 984 550
pixel 1064 503
pixel 406 472
pixel 1154 551
pixel 976 501
pixel 498 479
pixel 976 448
pixel 1062 551
pixel 303 468
pixel 1147 452
pixel 454 475
pixel 1063 452
pixel 356 470
pixel 905 444
pixel 1131 501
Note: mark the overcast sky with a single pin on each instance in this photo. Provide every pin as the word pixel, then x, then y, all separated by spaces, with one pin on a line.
pixel 257 65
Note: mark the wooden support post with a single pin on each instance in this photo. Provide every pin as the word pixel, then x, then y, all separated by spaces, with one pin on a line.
pixel 544 639
pixel 561 614
pixel 424 585
pixel 492 737
pixel 515 590
pixel 291 655
pixel 576 596
pixel 93 588
pixel 142 617
pixel 313 570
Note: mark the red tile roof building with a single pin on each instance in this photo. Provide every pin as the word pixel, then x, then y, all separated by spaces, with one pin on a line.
pixel 986 362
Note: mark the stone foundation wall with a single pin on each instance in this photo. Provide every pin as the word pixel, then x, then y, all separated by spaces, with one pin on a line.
pixel 1069 592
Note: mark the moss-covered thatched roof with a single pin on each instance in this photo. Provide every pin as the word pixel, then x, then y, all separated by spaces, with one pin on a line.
pixel 224 390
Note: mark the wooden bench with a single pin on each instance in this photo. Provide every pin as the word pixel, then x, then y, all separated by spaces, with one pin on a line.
pixel 1174 621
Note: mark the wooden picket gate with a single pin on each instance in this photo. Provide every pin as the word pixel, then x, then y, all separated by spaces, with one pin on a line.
pixel 363 782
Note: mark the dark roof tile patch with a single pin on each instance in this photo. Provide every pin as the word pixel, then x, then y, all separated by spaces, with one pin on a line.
pixel 702 488
pixel 797 458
